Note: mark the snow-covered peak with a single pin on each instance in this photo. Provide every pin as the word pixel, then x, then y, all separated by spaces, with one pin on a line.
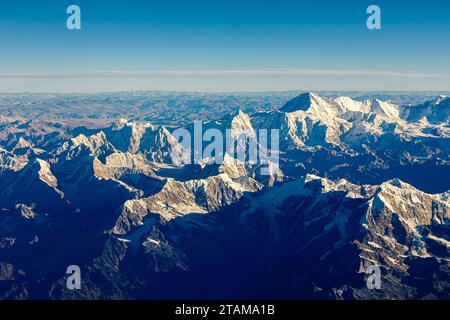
pixel 22 143
pixel 352 190
pixel 93 141
pixel 440 99
pixel 436 110
pixel 9 161
pixel 348 104
pixel 300 103
pixel 45 173
pixel 412 206
pixel 326 108
pixel 395 183
pixel 119 124
pixel 241 125
pixel 178 198
pixel 232 167
pixel 384 108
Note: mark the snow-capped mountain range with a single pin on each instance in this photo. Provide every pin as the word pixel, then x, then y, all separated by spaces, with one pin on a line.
pixel 358 184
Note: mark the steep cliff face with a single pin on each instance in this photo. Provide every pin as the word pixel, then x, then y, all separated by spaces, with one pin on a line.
pixel 358 184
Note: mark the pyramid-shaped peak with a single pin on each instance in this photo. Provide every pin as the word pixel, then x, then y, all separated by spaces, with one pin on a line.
pixel 119 124
pixel 22 143
pixel 241 124
pixel 397 183
pixel 237 114
pixel 241 114
pixel 301 102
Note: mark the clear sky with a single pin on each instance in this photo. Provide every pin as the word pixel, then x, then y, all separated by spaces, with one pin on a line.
pixel 224 45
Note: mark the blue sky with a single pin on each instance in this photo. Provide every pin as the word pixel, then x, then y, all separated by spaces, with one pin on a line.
pixel 220 45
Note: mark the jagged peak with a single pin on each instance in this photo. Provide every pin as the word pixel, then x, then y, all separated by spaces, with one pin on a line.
pixel 436 110
pixel 79 139
pixel 23 143
pixel 385 108
pixel 440 99
pixel 83 146
pixel 44 173
pixel 311 177
pixel 396 183
pixel 396 187
pixel 119 124
pixel 98 138
pixel 240 116
pixel 413 207
pixel 230 117
pixel 352 190
pixel 127 159
pixel 228 159
pixel 241 125
pixel 234 168
pixel 239 113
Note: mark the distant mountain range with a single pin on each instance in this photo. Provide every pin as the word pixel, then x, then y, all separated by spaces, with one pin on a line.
pixel 170 108
pixel 359 183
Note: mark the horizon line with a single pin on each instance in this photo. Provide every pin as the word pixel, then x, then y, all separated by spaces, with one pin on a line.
pixel 299 91
pixel 111 74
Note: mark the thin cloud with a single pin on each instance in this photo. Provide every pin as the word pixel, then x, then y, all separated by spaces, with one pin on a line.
pixel 220 73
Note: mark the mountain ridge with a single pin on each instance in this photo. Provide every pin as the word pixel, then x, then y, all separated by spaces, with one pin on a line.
pixel 357 184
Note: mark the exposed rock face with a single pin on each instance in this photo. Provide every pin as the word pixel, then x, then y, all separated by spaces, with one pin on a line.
pixel 10 162
pixel 358 184
pixel 435 111
pixel 181 198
